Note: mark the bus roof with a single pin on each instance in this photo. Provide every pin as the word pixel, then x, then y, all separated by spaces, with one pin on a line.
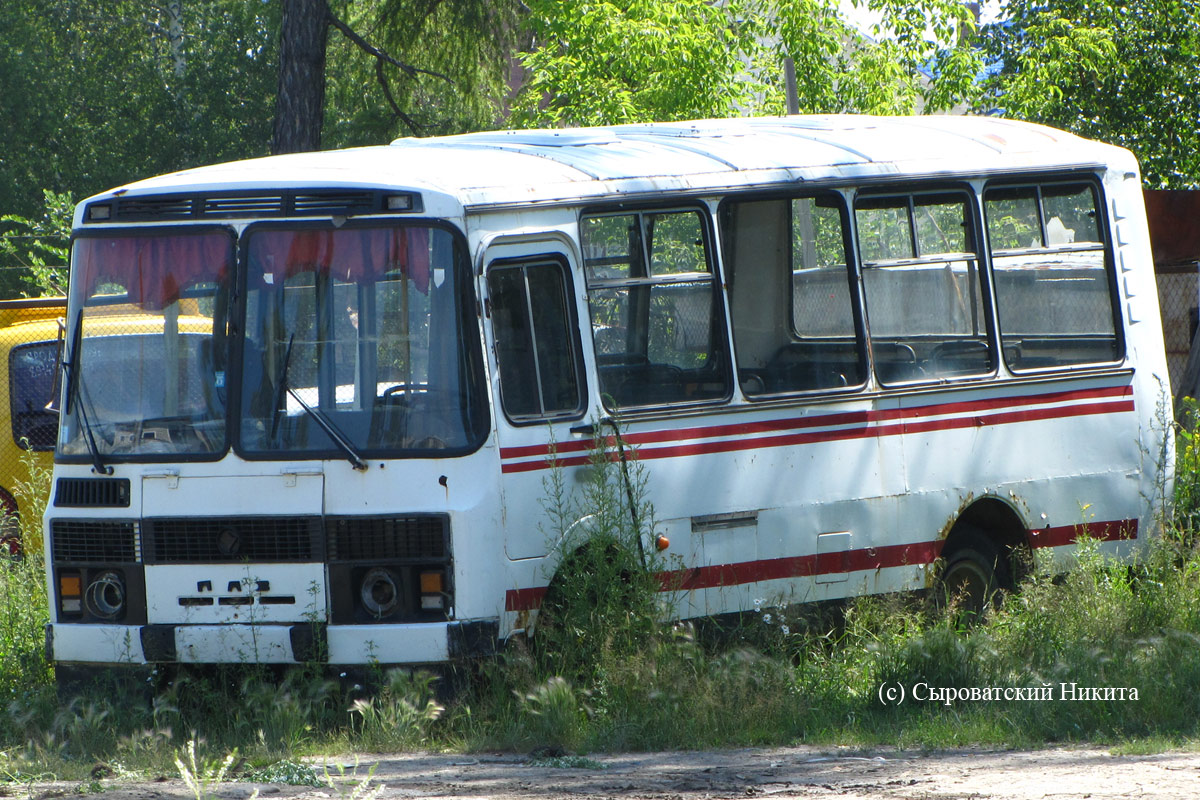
pixel 530 166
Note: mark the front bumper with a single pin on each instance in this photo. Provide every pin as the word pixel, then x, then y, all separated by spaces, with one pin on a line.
pixel 297 643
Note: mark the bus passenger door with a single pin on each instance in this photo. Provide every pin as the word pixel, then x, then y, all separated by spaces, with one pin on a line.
pixel 539 391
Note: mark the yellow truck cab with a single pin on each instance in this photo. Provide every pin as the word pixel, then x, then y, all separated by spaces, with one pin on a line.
pixel 29 341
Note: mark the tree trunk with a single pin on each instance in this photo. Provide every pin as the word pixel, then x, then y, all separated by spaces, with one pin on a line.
pixel 175 40
pixel 300 105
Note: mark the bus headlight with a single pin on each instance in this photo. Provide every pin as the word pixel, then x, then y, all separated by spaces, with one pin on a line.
pixel 380 592
pixel 105 595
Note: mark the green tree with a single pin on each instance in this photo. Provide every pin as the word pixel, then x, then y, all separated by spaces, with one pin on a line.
pixel 464 48
pixel 395 42
pixel 1126 73
pixel 101 93
pixel 595 62
pixel 915 58
pixel 35 250
pixel 610 61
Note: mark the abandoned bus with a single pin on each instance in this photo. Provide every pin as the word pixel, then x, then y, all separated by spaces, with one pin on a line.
pixel 853 355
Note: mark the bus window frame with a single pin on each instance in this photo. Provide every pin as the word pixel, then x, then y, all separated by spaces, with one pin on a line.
pixel 72 335
pixel 1108 247
pixel 574 334
pixel 844 197
pixel 721 343
pixel 472 335
pixel 54 346
pixel 973 216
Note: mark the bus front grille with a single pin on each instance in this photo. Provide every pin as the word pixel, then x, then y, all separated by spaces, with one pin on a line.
pixel 386 538
pixel 82 541
pixel 196 540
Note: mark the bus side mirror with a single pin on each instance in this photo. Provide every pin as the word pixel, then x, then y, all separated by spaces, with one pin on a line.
pixel 56 389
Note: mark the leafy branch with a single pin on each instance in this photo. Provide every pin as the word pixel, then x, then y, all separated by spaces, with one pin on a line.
pixel 40 246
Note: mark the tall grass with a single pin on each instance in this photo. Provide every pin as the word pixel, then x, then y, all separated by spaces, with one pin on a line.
pixel 604 673
pixel 23 616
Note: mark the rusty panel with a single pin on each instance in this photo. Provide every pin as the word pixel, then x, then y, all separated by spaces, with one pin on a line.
pixel 1174 220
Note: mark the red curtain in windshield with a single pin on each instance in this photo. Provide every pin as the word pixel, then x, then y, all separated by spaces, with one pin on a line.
pixel 352 256
pixel 153 270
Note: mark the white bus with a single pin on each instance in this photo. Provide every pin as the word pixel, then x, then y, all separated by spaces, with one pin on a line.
pixel 855 355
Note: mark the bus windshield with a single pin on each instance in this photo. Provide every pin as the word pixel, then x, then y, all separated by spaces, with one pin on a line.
pixel 356 343
pixel 147 369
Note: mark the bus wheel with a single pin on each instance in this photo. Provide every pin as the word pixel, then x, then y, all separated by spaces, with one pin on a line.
pixel 974 574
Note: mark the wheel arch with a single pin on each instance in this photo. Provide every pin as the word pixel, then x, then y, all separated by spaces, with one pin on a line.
pixel 1002 523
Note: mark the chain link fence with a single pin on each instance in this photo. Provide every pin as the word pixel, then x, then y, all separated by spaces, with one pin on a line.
pixel 1179 301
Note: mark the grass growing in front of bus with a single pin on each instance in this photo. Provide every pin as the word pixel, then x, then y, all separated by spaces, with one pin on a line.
pixel 1107 653
pixel 604 675
pixel 783 678
pixel 25 676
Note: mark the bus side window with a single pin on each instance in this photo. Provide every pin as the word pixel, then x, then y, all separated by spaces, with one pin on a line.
pixel 790 296
pixel 540 369
pixel 923 287
pixel 656 317
pixel 1053 291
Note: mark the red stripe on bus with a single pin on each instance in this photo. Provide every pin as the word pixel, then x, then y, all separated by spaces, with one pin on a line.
pixel 821 420
pixel 711 577
pixel 1112 531
pixel 867 558
pixel 841 434
pixel 524 599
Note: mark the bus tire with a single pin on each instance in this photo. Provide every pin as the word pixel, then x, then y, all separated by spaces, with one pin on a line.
pixel 973 577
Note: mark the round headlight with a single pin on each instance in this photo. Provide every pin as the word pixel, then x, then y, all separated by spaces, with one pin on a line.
pixel 379 592
pixel 105 595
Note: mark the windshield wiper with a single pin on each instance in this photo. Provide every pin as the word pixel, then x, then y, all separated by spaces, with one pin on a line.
pixel 281 387
pixel 331 430
pixel 75 399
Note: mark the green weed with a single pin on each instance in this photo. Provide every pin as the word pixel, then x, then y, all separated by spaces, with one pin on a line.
pixel 399 716
pixel 287 772
pixel 24 673
pixel 349 786
pixel 200 774
pixel 603 602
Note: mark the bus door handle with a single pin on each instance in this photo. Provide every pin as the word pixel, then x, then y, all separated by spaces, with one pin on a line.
pixel 291 473
pixel 171 476
pixel 589 428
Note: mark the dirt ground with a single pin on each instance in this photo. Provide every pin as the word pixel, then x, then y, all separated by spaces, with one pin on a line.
pixel 777 772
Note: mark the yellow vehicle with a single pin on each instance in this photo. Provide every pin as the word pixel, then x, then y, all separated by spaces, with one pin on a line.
pixel 29 337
